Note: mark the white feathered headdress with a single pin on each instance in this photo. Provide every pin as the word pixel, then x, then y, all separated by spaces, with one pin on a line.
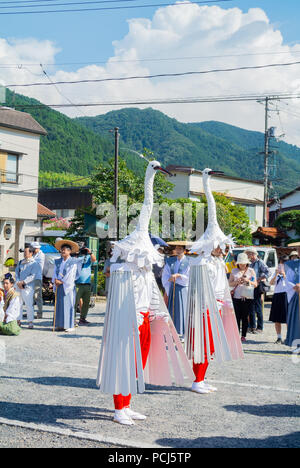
pixel 213 235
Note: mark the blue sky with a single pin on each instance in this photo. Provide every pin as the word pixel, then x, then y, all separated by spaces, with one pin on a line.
pixel 230 34
pixel 87 36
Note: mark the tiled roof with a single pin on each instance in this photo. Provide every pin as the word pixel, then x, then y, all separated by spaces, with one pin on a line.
pixel 44 211
pixel 20 120
pixel 190 170
pixel 271 232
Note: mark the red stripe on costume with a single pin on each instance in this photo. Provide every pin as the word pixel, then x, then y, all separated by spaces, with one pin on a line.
pixel 121 401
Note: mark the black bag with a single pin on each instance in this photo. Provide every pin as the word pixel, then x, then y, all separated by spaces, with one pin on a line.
pixel 263 287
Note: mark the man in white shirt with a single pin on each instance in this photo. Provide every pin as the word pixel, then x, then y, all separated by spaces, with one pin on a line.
pixel 39 257
pixel 26 273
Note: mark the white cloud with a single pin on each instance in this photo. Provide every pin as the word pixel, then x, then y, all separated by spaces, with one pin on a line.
pixel 179 32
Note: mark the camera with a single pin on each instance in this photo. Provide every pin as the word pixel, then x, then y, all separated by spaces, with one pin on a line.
pixel 83 251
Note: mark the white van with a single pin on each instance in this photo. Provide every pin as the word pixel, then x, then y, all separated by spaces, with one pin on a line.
pixel 267 254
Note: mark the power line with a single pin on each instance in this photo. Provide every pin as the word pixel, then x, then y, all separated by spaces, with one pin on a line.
pixel 75 10
pixel 30 1
pixel 163 59
pixel 159 75
pixel 190 100
pixel 69 3
pixel 59 92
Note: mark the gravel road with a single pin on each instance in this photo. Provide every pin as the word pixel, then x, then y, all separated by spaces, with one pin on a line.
pixel 48 394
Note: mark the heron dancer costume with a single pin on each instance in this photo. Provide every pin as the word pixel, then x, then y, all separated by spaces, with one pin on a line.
pixel 292 270
pixel 212 330
pixel 134 301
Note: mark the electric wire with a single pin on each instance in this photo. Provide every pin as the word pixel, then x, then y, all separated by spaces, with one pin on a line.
pixel 75 10
pixel 163 59
pixel 159 75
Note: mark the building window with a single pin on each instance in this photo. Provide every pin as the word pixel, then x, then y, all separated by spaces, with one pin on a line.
pixel 63 213
pixel 9 168
pixel 250 211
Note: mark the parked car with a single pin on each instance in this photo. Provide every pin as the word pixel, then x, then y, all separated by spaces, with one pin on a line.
pixel 51 253
pixel 267 254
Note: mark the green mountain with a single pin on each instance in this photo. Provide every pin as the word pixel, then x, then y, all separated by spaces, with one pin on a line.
pixel 77 146
pixel 68 146
pixel 234 150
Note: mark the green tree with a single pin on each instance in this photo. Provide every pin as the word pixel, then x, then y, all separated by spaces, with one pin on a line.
pixel 231 218
pixel 289 220
pixel 129 183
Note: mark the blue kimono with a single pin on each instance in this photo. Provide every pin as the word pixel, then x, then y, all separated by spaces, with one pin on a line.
pixel 292 270
pixel 66 292
pixel 177 302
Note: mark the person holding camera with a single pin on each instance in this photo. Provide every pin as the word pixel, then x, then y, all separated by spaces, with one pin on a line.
pixel 243 281
pixel 83 284
pixel 26 273
pixel 279 307
pixel 262 273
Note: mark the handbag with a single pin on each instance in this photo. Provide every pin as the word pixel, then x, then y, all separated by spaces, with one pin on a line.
pixel 263 287
pixel 247 291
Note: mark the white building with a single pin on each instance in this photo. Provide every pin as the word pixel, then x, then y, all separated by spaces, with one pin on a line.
pixel 19 168
pixel 248 193
pixel 287 202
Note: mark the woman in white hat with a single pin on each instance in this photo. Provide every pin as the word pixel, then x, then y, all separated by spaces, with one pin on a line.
pixel 243 281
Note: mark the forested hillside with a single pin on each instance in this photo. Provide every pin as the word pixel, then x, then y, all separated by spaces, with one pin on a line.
pixel 78 146
pixel 207 144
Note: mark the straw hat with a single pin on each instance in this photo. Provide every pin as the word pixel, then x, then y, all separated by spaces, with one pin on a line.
pixel 242 259
pixel 73 245
pixel 294 244
pixel 185 244
pixel 251 249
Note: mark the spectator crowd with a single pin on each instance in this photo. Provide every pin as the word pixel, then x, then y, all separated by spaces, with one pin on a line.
pixel 248 281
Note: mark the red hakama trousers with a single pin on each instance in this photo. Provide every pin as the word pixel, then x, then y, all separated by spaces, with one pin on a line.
pixel 200 369
pixel 121 401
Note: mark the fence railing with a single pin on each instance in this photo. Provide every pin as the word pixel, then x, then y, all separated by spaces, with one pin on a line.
pixel 7 177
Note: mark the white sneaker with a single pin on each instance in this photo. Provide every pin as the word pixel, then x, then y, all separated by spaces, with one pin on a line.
pixel 68 330
pixel 134 414
pixel 121 417
pixel 210 387
pixel 199 387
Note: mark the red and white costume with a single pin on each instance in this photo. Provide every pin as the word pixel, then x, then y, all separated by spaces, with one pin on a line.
pixel 134 307
pixel 212 331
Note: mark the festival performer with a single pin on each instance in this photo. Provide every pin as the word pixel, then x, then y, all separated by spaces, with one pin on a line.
pixel 39 257
pixel 175 280
pixel 9 323
pixel 27 271
pixel 292 271
pixel 65 272
pixel 211 330
pixel 136 321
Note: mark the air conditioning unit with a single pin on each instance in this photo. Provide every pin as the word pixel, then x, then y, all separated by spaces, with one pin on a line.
pixel 7 231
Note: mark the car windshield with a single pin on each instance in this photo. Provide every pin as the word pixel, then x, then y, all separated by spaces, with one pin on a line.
pixel 48 248
pixel 233 255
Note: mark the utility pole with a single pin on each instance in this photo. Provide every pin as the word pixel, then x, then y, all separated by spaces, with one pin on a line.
pixel 266 164
pixel 116 178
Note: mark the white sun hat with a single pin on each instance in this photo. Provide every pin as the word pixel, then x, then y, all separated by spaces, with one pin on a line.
pixel 242 259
